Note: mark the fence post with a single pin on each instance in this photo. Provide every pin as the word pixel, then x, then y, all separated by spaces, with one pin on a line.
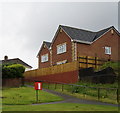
pixel 95 62
pixel 98 93
pixel 86 61
pixel 118 96
pixel 62 87
pixel 72 89
pixel 48 85
pixel 55 85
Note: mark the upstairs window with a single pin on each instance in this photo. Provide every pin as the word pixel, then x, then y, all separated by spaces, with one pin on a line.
pixel 108 50
pixel 61 48
pixel 44 58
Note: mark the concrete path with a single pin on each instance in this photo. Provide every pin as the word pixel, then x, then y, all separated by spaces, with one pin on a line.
pixel 71 99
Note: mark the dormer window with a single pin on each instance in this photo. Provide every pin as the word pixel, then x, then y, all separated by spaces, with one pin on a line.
pixel 108 50
pixel 44 58
pixel 61 48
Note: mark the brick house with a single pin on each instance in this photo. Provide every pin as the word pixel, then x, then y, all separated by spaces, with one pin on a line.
pixel 44 56
pixel 69 43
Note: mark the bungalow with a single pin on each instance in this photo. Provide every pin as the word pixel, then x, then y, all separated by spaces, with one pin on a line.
pixel 69 43
pixel 16 61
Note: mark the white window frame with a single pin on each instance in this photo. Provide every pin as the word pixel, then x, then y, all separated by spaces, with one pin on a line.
pixel 61 48
pixel 108 50
pixel 44 58
pixel 61 62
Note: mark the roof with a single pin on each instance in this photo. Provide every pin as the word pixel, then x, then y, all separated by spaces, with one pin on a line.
pixel 16 61
pixel 48 44
pixel 80 35
pixel 84 35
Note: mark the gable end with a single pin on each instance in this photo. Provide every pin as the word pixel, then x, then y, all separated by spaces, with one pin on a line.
pixel 59 30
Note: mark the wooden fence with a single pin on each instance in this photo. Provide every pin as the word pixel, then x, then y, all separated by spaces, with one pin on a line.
pixel 89 61
pixel 106 94
pixel 82 62
pixel 72 66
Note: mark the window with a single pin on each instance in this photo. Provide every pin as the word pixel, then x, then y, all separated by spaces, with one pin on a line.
pixel 61 48
pixel 44 58
pixel 108 50
pixel 61 62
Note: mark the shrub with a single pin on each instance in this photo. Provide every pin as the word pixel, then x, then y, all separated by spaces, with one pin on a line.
pixel 114 65
pixel 12 71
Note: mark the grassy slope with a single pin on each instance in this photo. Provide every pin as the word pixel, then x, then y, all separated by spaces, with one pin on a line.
pixel 26 95
pixel 114 65
pixel 86 93
pixel 115 85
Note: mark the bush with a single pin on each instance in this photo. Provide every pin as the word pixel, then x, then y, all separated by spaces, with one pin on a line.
pixel 114 65
pixel 13 71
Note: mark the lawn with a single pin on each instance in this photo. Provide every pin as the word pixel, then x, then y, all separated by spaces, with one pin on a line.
pixel 26 95
pixel 59 107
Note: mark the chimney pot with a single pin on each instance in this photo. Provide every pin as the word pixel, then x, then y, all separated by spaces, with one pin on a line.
pixel 5 57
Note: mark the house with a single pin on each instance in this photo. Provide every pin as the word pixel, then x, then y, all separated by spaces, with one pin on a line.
pixel 16 61
pixel 44 55
pixel 69 43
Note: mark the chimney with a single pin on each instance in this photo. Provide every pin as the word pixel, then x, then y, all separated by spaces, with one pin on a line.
pixel 5 57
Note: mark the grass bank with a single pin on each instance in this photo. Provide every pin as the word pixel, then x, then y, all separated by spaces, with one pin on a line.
pixel 114 85
pixel 109 96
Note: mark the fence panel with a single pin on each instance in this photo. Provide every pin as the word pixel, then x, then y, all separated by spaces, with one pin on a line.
pixel 90 61
pixel 72 66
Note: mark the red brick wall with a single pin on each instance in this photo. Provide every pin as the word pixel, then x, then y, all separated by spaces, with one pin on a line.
pixel 42 52
pixel 61 38
pixel 97 47
pixel 66 77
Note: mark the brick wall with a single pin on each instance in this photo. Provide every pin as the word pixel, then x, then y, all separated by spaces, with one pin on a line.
pixel 66 77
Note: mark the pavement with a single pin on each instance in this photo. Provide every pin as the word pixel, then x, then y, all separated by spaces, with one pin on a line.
pixel 72 99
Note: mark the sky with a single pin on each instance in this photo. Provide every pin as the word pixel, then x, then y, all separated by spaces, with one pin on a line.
pixel 25 25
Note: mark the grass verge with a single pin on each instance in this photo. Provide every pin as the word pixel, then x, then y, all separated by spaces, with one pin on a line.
pixel 60 107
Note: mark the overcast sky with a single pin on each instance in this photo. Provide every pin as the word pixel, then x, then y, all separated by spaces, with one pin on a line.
pixel 25 25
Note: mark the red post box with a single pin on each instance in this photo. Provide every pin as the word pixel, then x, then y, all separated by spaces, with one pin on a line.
pixel 38 86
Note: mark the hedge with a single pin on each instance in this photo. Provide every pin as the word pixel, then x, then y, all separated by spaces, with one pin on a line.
pixel 13 71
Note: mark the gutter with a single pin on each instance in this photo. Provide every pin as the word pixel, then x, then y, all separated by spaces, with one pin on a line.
pixel 84 42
